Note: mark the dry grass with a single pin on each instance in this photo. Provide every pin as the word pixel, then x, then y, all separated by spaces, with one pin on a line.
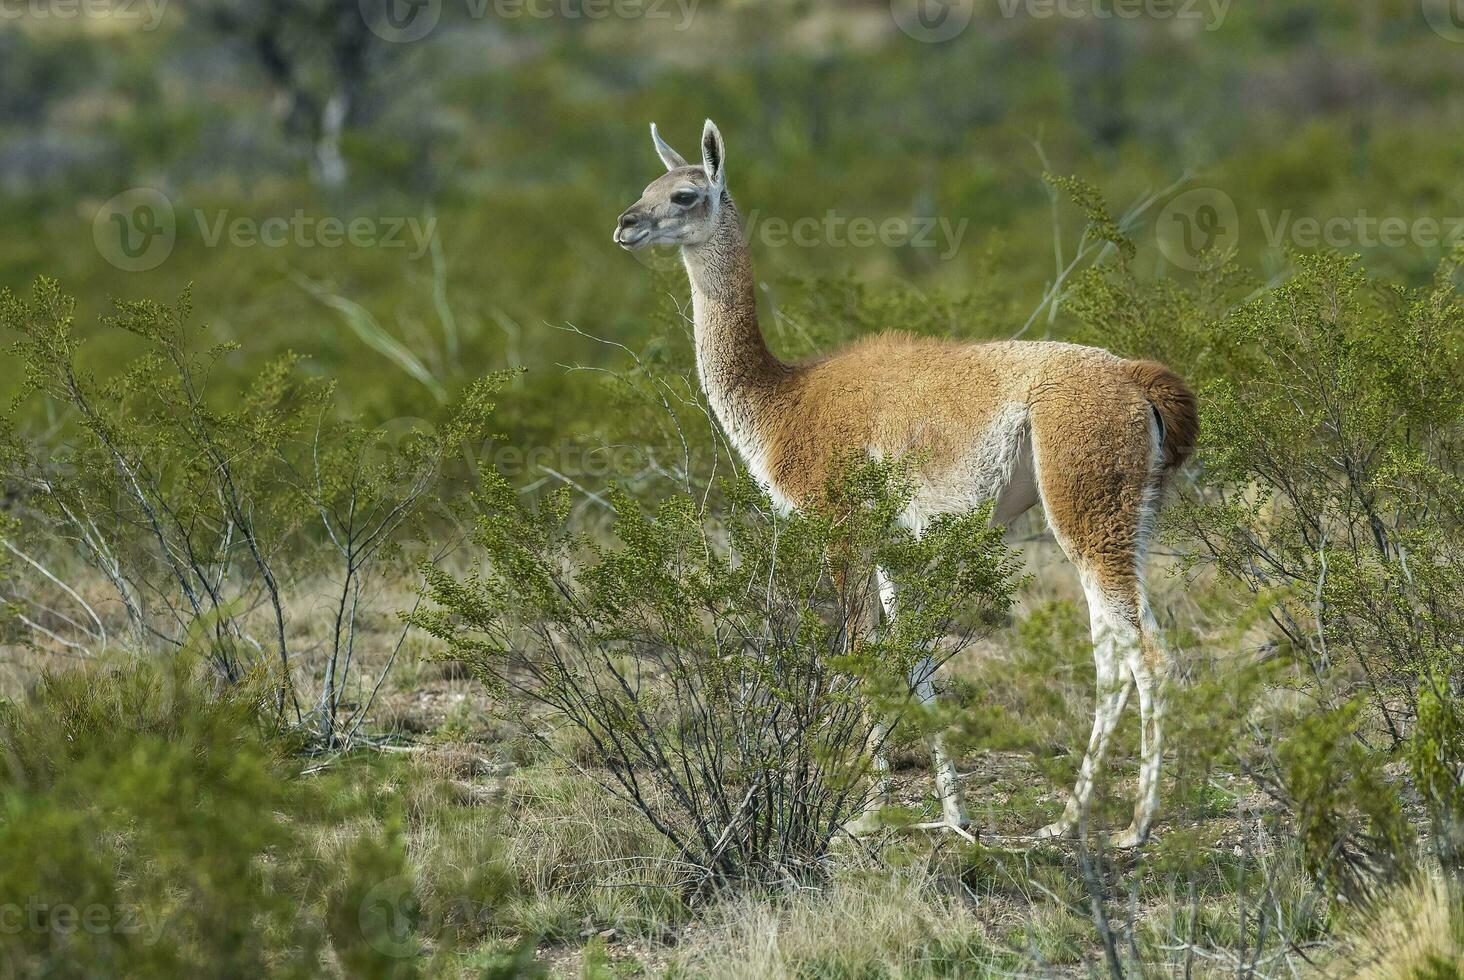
pixel 582 860
pixel 1413 933
pixel 899 925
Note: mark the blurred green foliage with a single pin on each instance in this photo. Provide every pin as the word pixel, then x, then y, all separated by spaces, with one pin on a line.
pixel 524 137
pixel 153 827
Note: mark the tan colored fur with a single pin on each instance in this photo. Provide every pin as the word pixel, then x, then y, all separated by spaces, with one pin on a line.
pixel 1090 435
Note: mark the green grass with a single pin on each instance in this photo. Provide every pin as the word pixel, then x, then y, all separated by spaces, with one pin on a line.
pixel 461 839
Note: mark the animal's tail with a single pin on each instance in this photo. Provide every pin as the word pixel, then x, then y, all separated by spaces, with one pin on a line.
pixel 1175 405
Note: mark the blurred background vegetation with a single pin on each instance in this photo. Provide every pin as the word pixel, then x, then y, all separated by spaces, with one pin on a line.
pixel 523 137
pixel 386 208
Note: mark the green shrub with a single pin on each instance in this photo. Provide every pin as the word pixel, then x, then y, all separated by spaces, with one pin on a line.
pixel 153 827
pixel 1330 489
pixel 1436 755
pixel 206 512
pixel 705 656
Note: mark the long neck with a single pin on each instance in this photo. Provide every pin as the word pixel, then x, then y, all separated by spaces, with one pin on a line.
pixel 732 357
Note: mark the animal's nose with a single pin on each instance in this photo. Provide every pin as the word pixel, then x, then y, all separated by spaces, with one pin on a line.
pixel 631 229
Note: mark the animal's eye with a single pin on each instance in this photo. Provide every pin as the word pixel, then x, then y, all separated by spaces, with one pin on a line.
pixel 684 199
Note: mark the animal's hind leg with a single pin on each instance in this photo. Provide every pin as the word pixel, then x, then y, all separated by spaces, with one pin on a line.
pixel 947 783
pixel 1151 670
pixel 1111 641
pixel 1096 457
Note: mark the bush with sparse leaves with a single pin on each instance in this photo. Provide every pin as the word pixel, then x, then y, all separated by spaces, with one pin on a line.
pixel 706 657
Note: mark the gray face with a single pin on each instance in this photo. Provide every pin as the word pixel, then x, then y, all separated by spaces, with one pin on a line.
pixel 678 208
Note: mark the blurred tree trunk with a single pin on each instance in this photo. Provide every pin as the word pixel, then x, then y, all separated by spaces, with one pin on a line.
pixel 1097 59
pixel 320 56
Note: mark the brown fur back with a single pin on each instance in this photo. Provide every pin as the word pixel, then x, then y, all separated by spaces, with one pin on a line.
pixel 1176 406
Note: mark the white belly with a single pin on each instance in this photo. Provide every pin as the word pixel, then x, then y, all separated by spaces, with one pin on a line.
pixel 996 467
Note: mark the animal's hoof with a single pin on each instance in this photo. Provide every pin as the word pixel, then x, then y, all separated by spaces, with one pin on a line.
pixel 1129 839
pixel 962 828
pixel 1054 831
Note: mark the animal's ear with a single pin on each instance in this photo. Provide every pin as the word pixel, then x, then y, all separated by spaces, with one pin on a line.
pixel 668 156
pixel 714 155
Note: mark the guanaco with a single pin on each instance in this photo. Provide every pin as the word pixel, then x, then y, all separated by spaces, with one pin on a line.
pixel 1090 436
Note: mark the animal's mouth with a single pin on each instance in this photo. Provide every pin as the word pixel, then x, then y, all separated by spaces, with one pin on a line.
pixel 631 239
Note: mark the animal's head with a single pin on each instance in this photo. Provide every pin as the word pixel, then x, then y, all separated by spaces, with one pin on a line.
pixel 683 205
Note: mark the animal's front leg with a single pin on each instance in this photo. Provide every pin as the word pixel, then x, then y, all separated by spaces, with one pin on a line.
pixel 922 683
pixel 947 782
pixel 869 820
